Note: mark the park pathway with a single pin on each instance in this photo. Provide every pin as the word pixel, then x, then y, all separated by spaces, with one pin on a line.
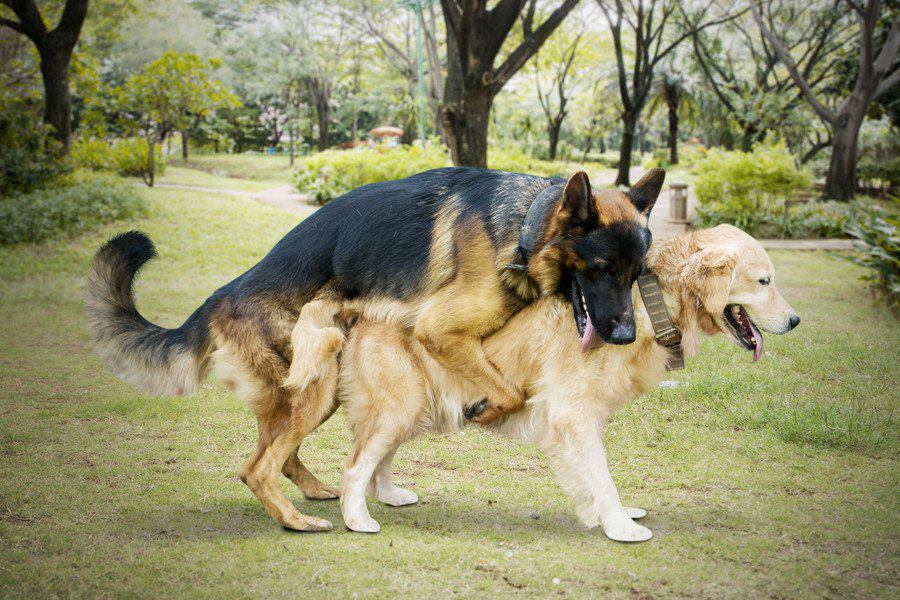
pixel 287 198
pixel 284 197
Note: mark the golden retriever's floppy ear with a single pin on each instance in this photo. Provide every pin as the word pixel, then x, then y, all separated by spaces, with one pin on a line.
pixel 646 191
pixel 707 273
pixel 577 204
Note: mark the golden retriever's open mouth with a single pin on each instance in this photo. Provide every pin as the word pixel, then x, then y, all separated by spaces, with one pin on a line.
pixel 743 330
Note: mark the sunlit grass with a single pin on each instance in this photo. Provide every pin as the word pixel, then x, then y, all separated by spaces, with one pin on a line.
pixel 776 478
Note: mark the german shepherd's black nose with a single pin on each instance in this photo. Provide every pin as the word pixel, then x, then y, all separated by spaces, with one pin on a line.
pixel 623 333
pixel 794 321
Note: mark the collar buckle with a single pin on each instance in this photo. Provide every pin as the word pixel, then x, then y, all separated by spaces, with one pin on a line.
pixel 668 337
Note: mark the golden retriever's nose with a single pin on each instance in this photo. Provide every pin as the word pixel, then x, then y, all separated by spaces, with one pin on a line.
pixel 793 321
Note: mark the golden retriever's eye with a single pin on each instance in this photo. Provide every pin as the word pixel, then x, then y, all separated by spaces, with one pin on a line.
pixel 765 280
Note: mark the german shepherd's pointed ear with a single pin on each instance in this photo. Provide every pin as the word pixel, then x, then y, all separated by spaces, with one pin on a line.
pixel 577 204
pixel 645 192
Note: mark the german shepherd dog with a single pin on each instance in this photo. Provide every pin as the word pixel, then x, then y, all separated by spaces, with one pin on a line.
pixel 450 253
pixel 717 280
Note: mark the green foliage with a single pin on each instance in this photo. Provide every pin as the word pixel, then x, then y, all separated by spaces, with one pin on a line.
pixel 29 156
pixel 749 189
pixel 691 154
pixel 512 159
pixel 169 93
pixel 885 171
pixel 92 154
pixel 82 202
pixel 130 158
pixel 875 236
pixel 824 219
pixel 126 157
pixel 329 174
pixel 659 158
pixel 609 159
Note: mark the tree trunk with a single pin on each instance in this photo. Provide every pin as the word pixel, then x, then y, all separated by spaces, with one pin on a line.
pixel 291 142
pixel 673 137
pixel 57 100
pixel 673 99
pixel 641 130
pixel 151 161
pixel 323 112
pixel 184 145
pixel 553 134
pixel 629 122
pixel 602 144
pixel 841 180
pixel 749 136
pixel 588 145
pixel 466 115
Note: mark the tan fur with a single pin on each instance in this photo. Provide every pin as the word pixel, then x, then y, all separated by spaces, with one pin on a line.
pixel 283 360
pixel 393 389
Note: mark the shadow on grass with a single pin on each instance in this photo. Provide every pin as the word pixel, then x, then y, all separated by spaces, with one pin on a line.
pixel 244 518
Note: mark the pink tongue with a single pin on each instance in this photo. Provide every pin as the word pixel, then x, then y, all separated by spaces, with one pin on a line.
pixel 590 339
pixel 758 337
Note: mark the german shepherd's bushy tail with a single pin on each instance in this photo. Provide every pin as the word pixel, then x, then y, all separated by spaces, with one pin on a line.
pixel 155 360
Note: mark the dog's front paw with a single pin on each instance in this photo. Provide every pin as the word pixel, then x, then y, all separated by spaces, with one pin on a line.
pixel 634 512
pixel 625 530
pixel 362 524
pixel 397 496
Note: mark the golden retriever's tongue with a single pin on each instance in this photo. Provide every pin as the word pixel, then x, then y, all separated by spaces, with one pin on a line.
pixel 590 339
pixel 757 337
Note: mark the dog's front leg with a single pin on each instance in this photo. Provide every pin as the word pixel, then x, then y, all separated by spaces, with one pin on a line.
pixel 579 459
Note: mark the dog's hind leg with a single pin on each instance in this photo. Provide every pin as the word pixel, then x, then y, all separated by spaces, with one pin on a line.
pixel 315 340
pixel 249 364
pixel 385 394
pixel 382 485
pixel 280 435
pixel 309 484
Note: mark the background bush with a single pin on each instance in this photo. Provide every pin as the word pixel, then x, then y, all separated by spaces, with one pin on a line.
pixel 750 190
pixel 326 175
pixel 875 173
pixel 77 203
pixel 329 174
pixel 29 156
pixel 126 157
pixel 875 236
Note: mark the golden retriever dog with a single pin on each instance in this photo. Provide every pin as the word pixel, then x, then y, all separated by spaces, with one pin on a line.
pixel 717 280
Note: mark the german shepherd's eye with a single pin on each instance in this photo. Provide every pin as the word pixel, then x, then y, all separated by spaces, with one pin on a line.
pixel 765 280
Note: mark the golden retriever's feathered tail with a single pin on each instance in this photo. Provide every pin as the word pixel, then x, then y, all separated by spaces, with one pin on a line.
pixel 155 360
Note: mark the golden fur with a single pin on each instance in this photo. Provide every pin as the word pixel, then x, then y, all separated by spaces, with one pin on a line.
pixel 394 390
pixel 282 360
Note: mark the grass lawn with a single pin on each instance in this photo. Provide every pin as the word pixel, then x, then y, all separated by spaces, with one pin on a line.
pixel 262 167
pixel 775 479
pixel 200 178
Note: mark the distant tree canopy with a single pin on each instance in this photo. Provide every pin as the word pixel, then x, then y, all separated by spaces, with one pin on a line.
pixel 171 94
pixel 609 80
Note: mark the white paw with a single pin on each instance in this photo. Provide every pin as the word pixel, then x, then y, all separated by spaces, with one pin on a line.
pixel 362 524
pixel 635 513
pixel 396 496
pixel 625 530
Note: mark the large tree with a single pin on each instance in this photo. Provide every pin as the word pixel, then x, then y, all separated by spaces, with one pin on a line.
pixel 475 38
pixel 394 33
pixel 54 46
pixel 556 66
pixel 742 70
pixel 878 73
pixel 167 94
pixel 651 40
